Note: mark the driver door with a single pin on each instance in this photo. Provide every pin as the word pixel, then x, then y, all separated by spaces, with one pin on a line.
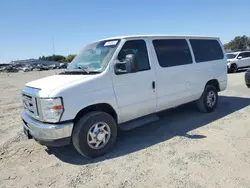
pixel 135 92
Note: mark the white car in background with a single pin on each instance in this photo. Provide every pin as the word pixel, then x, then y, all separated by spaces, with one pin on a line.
pixel 237 60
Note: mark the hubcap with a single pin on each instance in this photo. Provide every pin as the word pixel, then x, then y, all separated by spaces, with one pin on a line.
pixel 98 135
pixel 211 98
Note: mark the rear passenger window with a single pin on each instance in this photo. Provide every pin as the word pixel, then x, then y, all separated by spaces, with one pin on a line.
pixel 244 54
pixel 172 52
pixel 247 54
pixel 206 50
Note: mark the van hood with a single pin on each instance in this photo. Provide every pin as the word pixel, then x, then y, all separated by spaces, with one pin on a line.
pixel 50 83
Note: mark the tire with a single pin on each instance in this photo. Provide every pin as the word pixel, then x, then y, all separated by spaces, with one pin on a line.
pixel 83 130
pixel 248 85
pixel 233 68
pixel 203 102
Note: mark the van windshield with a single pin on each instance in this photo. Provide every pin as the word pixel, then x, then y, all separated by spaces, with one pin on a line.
pixel 94 57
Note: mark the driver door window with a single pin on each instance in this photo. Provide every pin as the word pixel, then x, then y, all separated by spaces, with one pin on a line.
pixel 242 55
pixel 139 49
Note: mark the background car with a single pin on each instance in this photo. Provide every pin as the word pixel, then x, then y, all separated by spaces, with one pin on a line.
pixel 247 78
pixel 237 60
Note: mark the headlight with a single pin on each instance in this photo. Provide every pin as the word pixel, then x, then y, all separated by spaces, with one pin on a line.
pixel 51 109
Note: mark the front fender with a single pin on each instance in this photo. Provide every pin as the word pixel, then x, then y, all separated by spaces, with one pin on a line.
pixel 230 63
pixel 75 103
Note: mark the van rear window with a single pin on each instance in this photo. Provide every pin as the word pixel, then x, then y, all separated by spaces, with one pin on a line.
pixel 206 50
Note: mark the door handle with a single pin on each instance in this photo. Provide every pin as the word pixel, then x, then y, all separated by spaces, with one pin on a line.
pixel 153 84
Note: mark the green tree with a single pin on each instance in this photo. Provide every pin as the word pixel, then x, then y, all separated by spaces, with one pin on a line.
pixel 59 58
pixel 54 58
pixel 238 43
pixel 70 57
pixel 41 58
pixel 227 46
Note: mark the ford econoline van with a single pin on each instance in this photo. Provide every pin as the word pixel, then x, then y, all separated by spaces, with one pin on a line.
pixel 122 83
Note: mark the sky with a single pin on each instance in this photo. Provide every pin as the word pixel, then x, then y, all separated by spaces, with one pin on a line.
pixel 29 27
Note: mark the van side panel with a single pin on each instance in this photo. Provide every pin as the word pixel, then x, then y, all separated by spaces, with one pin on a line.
pixel 223 75
pixel 174 83
pixel 183 83
pixel 209 70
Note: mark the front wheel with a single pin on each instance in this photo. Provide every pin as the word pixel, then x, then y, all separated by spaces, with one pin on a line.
pixel 234 68
pixel 208 100
pixel 94 134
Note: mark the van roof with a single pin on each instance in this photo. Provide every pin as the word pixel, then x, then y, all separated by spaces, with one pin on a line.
pixel 159 36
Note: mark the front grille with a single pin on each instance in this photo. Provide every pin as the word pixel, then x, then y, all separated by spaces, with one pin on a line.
pixel 30 105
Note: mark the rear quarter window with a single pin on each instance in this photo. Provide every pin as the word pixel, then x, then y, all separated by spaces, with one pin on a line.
pixel 206 50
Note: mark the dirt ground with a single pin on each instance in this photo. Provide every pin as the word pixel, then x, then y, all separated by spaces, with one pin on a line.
pixel 184 149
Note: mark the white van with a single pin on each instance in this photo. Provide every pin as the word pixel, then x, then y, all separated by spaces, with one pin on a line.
pixel 121 83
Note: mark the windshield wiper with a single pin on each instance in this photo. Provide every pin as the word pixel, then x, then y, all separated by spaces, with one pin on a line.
pixel 84 69
pixel 81 71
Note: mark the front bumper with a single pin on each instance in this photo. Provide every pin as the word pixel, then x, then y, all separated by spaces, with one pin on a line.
pixel 46 133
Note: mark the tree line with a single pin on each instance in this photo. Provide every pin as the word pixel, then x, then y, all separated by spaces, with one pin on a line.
pixel 59 58
pixel 238 43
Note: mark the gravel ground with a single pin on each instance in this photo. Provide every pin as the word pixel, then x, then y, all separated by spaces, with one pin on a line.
pixel 184 149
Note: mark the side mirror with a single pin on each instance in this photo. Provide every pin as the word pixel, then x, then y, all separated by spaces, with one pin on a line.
pixel 126 66
pixel 240 57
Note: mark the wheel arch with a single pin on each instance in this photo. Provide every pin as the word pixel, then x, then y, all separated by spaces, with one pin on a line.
pixel 215 83
pixel 104 107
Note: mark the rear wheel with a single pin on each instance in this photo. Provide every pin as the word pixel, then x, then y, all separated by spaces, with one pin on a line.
pixel 248 85
pixel 208 100
pixel 234 68
pixel 94 134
